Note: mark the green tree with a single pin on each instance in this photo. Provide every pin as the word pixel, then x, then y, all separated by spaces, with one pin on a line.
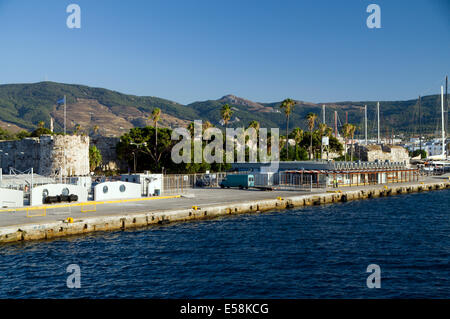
pixel 77 129
pixel 352 135
pixel 287 105
pixel 95 158
pixel 311 119
pixel 22 134
pixel 226 114
pixel 5 134
pixel 347 132
pixel 254 124
pixel 41 131
pixel 95 129
pixel 156 115
pixel 297 134
pixel 140 141
pixel 422 153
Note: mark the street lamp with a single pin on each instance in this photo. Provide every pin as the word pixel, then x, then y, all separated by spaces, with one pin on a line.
pixel 134 152
pixel 134 161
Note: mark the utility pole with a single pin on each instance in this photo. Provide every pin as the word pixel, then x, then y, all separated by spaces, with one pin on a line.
pixel 365 122
pixel 378 119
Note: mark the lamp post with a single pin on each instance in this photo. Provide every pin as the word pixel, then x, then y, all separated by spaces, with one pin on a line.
pixel 134 152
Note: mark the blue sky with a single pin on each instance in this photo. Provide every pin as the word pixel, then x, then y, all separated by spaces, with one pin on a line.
pixel 262 50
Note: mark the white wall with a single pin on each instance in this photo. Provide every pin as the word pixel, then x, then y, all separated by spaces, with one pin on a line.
pixel 11 198
pixel 155 183
pixel 149 182
pixel 57 189
pixel 132 190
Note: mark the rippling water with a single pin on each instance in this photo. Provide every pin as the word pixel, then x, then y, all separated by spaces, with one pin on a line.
pixel 319 252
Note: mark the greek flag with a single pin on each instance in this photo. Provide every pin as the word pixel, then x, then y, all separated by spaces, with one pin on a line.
pixel 62 101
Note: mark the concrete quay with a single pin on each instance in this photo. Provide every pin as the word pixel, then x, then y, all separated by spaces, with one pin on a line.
pixel 75 219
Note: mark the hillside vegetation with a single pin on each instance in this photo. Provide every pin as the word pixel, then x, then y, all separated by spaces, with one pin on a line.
pixel 23 106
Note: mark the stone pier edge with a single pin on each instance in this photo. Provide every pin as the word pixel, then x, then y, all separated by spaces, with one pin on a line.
pixel 49 230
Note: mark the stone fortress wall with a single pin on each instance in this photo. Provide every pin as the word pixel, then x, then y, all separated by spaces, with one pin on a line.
pixel 45 154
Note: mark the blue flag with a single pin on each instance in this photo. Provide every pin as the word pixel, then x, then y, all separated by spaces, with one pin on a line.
pixel 61 101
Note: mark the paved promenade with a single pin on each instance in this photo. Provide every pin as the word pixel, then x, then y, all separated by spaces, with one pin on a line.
pixel 194 197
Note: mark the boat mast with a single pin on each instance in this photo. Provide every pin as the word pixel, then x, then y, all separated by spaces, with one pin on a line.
pixel 443 121
pixel 323 113
pixel 446 103
pixel 378 120
pixel 420 125
pixel 365 122
pixel 335 124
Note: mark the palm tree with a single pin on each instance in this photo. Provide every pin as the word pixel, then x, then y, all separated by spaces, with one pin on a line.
pixel 352 134
pixel 311 118
pixel 287 105
pixel 322 130
pixel 226 113
pixel 346 130
pixel 95 129
pixel 298 136
pixel 207 125
pixel 329 133
pixel 77 129
pixel 156 115
pixel 254 124
pixel 191 129
pixel 41 124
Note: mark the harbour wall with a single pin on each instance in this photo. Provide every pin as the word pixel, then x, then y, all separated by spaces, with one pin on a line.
pixel 121 222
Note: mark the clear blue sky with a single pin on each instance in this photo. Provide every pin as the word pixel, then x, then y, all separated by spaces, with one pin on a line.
pixel 191 50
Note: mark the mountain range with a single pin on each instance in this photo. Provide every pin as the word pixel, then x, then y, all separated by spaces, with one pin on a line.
pixel 23 106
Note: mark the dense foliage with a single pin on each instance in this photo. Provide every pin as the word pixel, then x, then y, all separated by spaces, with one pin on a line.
pixel 95 158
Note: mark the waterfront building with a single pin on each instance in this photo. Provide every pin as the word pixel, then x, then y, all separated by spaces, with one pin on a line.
pixel 333 174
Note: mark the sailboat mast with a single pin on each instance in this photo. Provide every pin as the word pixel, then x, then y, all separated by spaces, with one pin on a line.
pixel 446 103
pixel 335 124
pixel 443 122
pixel 365 122
pixel 323 113
pixel 378 120
pixel 420 125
